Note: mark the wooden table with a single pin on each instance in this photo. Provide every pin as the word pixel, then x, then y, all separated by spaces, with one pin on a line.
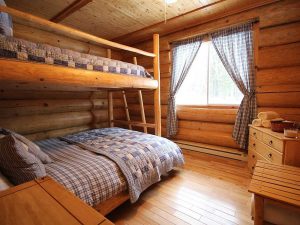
pixel 44 201
pixel 280 183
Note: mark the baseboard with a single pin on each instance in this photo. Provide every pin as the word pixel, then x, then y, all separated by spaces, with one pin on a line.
pixel 213 150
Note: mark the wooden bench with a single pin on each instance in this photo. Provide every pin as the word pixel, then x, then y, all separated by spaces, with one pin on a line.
pixel 44 201
pixel 276 191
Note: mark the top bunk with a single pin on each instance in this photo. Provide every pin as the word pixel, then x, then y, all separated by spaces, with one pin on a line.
pixel 32 66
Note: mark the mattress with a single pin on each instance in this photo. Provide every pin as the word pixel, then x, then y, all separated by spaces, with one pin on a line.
pixel 19 49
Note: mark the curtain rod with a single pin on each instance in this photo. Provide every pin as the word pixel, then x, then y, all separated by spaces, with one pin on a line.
pixel 207 33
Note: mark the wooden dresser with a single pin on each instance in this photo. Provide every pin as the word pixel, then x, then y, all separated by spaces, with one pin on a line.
pixel 270 146
pixel 44 201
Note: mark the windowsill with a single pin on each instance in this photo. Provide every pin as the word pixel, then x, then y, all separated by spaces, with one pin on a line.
pixel 209 106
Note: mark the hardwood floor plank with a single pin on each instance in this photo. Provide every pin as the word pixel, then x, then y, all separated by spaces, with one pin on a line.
pixel 208 190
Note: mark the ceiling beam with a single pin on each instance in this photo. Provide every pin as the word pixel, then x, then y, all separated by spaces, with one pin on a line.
pixel 76 5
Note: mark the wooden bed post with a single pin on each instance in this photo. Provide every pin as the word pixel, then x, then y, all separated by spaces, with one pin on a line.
pixel 110 109
pixel 156 71
pixel 110 98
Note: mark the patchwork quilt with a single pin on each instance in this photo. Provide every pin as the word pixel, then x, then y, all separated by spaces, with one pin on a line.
pixel 142 158
pixel 15 48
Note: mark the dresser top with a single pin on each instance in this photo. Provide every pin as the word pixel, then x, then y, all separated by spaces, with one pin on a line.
pixel 274 134
pixel 44 201
pixel 277 182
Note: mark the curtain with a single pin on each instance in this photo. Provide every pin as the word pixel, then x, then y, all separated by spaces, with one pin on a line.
pixel 235 49
pixel 183 55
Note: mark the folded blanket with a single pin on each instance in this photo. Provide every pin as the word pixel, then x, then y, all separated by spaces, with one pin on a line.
pixel 142 158
pixel 257 123
pixel 269 115
pixel 266 123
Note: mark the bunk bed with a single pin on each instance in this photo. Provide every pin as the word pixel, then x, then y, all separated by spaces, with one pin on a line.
pixel 36 76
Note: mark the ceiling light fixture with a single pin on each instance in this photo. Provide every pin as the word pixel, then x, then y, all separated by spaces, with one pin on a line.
pixel 170 1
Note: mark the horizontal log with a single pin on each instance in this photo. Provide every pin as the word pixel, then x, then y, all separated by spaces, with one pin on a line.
pixel 292 114
pixel 164 68
pixel 288 99
pixel 23 94
pixel 281 13
pixel 205 126
pixel 207 115
pixel 39 36
pixel 207 137
pixel 278 88
pixel 34 76
pixel 135 110
pixel 11 108
pixel 62 132
pixel 270 57
pixel 278 35
pixel 165 75
pixel 278 76
pixel 42 123
pixel 165 84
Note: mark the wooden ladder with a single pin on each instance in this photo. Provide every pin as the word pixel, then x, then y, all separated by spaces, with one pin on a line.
pixel 128 121
pixel 140 96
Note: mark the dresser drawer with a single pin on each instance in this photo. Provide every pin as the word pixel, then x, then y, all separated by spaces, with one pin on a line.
pixel 252 143
pixel 255 133
pixel 253 156
pixel 272 142
pixel 268 153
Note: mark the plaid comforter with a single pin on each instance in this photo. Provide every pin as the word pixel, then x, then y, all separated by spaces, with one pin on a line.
pixel 142 158
pixel 92 178
pixel 16 48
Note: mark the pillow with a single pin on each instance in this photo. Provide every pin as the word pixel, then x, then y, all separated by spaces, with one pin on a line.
pixel 17 163
pixel 4 183
pixel 6 27
pixel 32 147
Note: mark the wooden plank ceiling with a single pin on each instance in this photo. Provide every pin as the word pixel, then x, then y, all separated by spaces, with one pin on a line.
pixel 109 19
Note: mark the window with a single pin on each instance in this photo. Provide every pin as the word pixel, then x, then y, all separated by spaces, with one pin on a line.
pixel 208 82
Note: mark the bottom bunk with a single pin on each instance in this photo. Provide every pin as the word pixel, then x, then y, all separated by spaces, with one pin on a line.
pixel 105 167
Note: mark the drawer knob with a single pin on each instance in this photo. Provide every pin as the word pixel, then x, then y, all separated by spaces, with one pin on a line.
pixel 253 156
pixel 270 155
pixel 270 142
pixel 254 133
pixel 253 144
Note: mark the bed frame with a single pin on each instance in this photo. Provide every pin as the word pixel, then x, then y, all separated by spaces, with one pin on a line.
pixel 20 75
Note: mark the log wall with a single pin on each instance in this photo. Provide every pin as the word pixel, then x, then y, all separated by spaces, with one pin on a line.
pixel 45 114
pixel 277 51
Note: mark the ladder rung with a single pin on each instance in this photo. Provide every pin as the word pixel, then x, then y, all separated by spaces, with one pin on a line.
pixel 135 123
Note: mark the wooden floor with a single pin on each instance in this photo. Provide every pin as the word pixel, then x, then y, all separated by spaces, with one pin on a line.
pixel 208 190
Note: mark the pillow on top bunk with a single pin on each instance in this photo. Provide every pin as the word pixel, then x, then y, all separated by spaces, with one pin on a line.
pixel 17 163
pixel 6 27
pixel 32 147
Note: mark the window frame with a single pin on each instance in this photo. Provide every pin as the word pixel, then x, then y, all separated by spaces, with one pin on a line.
pixel 216 106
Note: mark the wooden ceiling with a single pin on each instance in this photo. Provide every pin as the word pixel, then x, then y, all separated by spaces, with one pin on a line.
pixel 109 18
